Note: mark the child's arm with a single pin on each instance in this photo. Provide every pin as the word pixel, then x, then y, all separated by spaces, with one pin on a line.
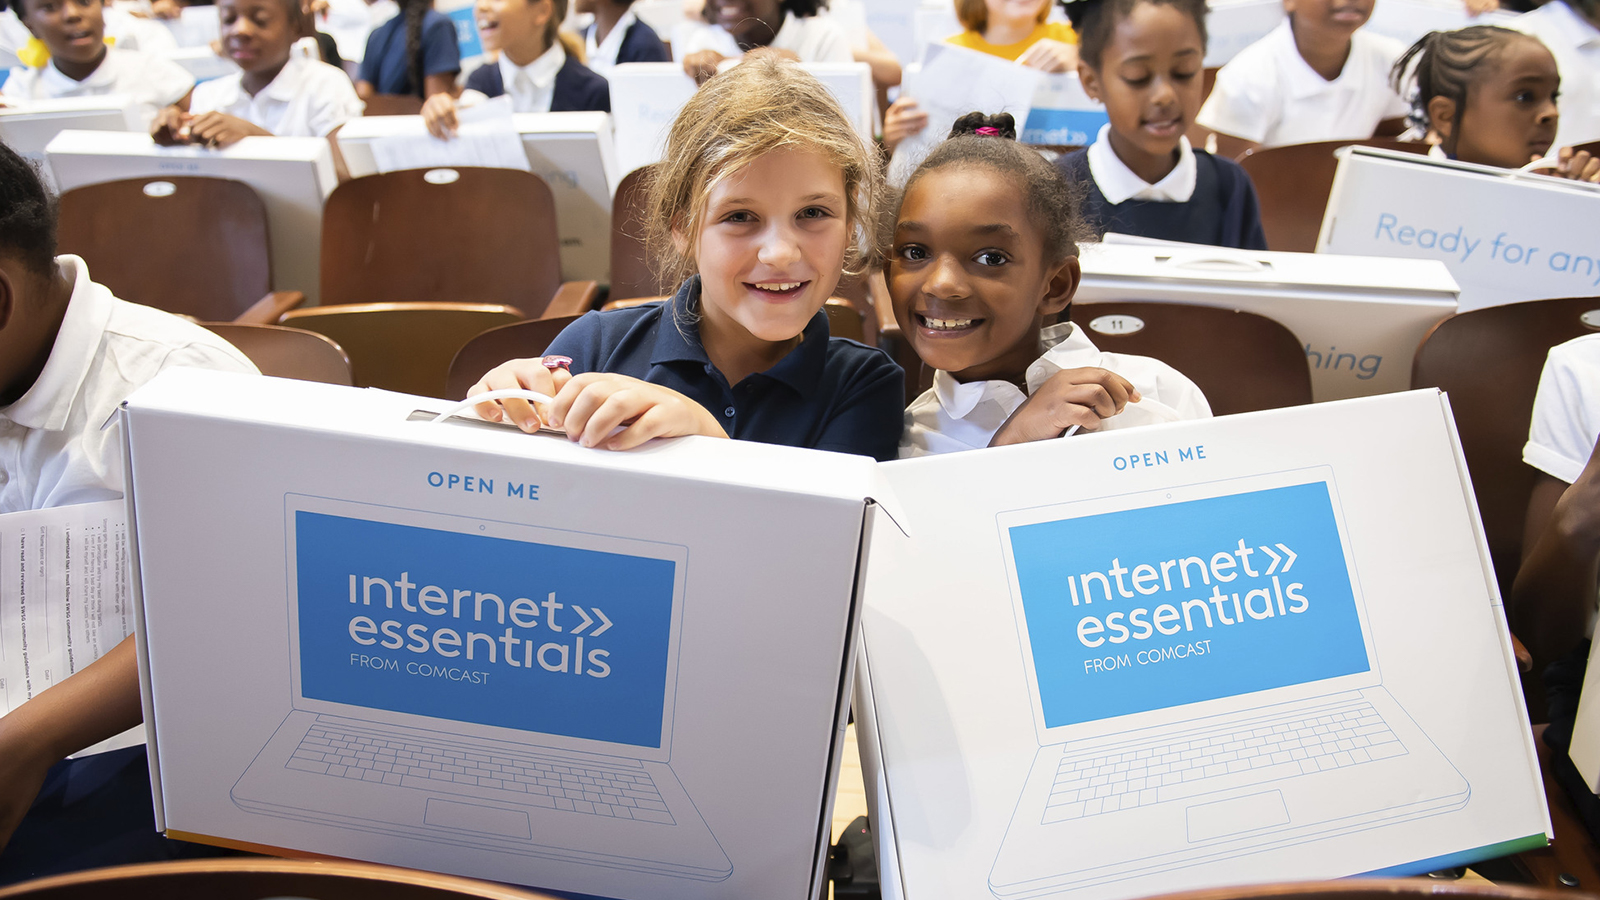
pixel 1071 397
pixel 589 407
pixel 439 114
pixel 96 703
pixel 1050 56
pixel 903 119
pixel 215 129
pixel 1555 587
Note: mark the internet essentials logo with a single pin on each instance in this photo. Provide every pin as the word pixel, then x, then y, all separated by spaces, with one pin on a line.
pixel 534 637
pixel 1119 604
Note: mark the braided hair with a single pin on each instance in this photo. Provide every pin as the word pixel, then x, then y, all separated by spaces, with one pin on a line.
pixel 27 215
pixel 979 140
pixel 414 10
pixel 1094 20
pixel 1447 64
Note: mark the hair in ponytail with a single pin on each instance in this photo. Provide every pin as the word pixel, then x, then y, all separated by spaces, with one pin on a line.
pixel 1447 64
pixel 990 141
pixel 414 10
pixel 1094 20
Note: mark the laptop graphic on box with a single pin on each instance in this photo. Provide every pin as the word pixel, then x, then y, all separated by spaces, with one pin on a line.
pixel 1204 684
pixel 483 683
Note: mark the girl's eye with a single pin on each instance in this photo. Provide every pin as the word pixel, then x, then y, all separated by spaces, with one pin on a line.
pixel 1184 76
pixel 911 253
pixel 814 212
pixel 991 258
pixel 1523 96
pixel 739 217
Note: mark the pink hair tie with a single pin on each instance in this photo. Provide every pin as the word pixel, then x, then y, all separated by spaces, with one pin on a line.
pixel 988 131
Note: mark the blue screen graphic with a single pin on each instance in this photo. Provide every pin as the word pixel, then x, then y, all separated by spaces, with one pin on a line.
pixel 535 637
pixel 1279 611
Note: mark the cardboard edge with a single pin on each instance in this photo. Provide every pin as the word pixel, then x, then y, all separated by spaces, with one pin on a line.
pixel 879 810
pixel 1464 857
pixel 842 704
pixel 1502 627
pixel 141 650
pixel 1329 219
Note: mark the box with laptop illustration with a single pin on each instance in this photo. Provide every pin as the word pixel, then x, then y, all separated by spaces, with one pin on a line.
pixel 453 646
pixel 1259 648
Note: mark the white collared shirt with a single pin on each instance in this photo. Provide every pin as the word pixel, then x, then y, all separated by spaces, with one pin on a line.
pixel 309 98
pixel 953 416
pixel 1270 95
pixel 813 39
pixel 150 81
pixel 1119 183
pixel 1575 43
pixel 532 88
pixel 603 55
pixel 53 449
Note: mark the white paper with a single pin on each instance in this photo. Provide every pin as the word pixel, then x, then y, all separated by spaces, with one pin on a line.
pixel 487 137
pixel 955 81
pixel 65 598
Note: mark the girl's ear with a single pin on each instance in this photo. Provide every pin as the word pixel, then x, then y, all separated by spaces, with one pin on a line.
pixel 1442 115
pixel 680 241
pixel 1062 285
pixel 1089 80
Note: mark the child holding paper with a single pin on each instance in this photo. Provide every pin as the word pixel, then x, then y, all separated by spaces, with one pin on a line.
pixel 982 254
pixel 535 67
pixel 1316 77
pixel 795 29
pixel 756 206
pixel 70 352
pixel 81 65
pixel 279 90
pixel 1143 59
pixel 1489 93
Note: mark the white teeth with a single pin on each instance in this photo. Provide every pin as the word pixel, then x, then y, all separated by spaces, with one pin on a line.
pixel 947 324
pixel 781 286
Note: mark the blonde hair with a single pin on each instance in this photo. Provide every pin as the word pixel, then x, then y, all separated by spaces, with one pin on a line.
pixel 761 105
pixel 974 14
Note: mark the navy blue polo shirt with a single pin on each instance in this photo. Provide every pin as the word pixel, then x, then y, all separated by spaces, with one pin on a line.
pixel 828 393
pixel 385 64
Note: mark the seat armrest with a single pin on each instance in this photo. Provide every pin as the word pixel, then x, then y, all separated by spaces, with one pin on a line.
pixel 573 298
pixel 269 309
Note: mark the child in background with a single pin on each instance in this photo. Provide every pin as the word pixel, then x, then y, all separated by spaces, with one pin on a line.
pixel 1571 31
pixel 796 29
pixel 618 36
pixel 279 91
pixel 70 352
pixel 1489 93
pixel 535 66
pixel 1143 59
pixel 1015 30
pixel 756 205
pixel 415 53
pixel 81 65
pixel 1316 77
pixel 983 254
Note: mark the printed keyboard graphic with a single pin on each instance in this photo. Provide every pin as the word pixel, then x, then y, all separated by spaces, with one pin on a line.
pixel 1260 751
pixel 547 781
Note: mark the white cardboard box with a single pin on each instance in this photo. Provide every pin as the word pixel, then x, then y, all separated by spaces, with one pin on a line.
pixel 573 152
pixel 706 590
pixel 29 129
pixel 1360 319
pixel 1339 548
pixel 293 176
pixel 1505 235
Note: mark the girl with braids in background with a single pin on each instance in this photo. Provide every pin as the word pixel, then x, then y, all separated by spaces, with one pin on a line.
pixel 1489 93
pixel 1570 29
pixel 415 53
pixel 1143 59
pixel 982 263
pixel 539 66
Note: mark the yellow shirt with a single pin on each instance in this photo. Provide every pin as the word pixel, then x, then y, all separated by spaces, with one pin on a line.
pixel 1055 31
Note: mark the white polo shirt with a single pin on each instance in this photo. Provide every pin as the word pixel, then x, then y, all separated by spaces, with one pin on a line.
pixel 309 98
pixel 1566 410
pixel 813 39
pixel 953 416
pixel 1118 183
pixel 53 448
pixel 1575 43
pixel 1270 95
pixel 151 81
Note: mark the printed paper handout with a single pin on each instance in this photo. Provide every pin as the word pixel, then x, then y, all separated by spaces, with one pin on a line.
pixel 485 136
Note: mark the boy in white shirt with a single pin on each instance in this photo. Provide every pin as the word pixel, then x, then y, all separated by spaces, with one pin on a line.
pixel 70 352
pixel 81 65
pixel 1316 77
pixel 281 89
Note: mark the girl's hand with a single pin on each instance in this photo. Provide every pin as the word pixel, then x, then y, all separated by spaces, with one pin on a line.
pixel 439 114
pixel 1479 7
pixel 1579 166
pixel 1080 397
pixel 702 64
pixel 527 374
pixel 903 119
pixel 170 127
pixel 593 405
pixel 166 9
pixel 219 130
pixel 1050 56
